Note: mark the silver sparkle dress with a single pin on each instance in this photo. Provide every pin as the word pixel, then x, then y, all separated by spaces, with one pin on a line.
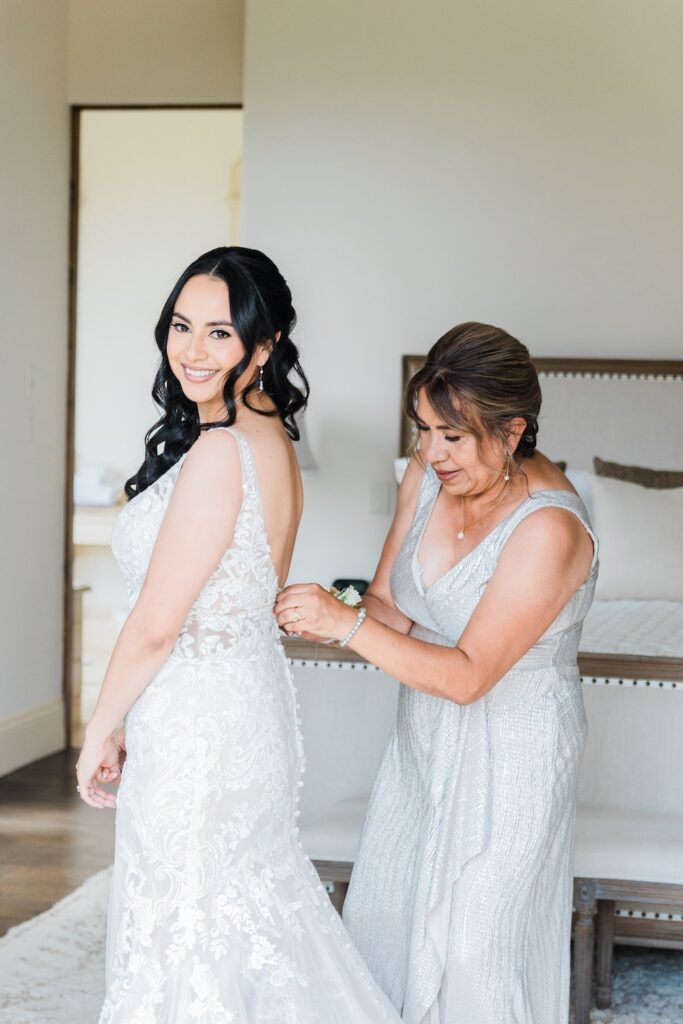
pixel 460 900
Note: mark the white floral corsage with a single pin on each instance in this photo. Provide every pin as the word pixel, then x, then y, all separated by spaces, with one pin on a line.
pixel 349 595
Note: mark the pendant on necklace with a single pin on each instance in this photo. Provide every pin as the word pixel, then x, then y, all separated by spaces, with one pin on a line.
pixel 460 534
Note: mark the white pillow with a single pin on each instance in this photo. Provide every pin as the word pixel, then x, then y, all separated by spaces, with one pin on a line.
pixel 400 467
pixel 641 541
pixel 582 481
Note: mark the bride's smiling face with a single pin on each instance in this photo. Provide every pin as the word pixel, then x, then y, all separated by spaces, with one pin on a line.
pixel 203 346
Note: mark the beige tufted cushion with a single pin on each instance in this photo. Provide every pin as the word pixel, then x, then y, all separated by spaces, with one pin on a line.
pixel 335 835
pixel 628 845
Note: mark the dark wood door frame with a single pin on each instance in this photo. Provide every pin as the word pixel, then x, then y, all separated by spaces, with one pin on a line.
pixel 72 296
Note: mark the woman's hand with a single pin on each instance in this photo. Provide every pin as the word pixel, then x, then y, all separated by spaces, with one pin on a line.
pixel 98 761
pixel 308 610
pixel 113 775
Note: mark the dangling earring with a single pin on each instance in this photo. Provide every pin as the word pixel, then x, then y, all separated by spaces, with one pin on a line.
pixel 507 468
pixel 260 378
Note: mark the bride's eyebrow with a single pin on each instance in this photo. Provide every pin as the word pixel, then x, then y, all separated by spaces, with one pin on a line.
pixel 210 323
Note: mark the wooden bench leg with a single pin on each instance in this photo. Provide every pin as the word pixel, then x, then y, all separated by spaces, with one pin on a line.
pixel 584 943
pixel 338 895
pixel 603 996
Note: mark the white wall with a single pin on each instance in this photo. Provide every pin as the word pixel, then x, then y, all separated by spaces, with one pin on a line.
pixel 33 280
pixel 158 187
pixel 410 166
pixel 155 51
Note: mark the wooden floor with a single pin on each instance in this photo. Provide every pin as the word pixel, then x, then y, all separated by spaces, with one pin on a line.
pixel 50 841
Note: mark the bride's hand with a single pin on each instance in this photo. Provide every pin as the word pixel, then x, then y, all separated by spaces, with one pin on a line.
pixel 97 755
pixel 112 774
pixel 308 610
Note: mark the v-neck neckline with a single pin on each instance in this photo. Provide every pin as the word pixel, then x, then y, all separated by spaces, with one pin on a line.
pixel 415 562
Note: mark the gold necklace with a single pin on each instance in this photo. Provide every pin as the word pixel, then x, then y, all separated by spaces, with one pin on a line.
pixel 461 533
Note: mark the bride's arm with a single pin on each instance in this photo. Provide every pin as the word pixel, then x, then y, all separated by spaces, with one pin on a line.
pixel 196 531
pixel 377 600
pixel 544 562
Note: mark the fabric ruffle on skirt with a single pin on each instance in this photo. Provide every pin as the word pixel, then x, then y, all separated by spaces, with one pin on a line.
pixel 455 828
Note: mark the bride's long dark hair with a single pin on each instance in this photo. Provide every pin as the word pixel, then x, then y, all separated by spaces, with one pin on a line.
pixel 260 306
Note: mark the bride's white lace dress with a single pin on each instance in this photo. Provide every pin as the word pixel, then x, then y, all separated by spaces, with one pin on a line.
pixel 216 915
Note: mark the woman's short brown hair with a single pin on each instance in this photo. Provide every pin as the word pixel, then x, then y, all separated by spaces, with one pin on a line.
pixel 478 378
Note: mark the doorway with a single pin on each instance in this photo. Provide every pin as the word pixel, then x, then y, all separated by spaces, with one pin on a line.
pixel 152 188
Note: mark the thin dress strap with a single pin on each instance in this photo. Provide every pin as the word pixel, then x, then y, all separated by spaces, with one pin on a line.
pixel 252 497
pixel 249 477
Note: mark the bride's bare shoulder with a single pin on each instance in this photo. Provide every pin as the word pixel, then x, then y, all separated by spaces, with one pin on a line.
pixel 270 440
pixel 273 453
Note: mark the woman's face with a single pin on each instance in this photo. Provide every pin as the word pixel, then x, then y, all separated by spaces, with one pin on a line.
pixel 464 465
pixel 203 346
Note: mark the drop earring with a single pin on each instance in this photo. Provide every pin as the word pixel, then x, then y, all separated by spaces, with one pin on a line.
pixel 507 468
pixel 260 378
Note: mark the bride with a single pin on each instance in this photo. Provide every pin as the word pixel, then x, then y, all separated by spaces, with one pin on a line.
pixel 216 914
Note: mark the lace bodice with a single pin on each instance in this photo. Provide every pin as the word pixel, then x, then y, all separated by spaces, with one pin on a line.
pixel 236 602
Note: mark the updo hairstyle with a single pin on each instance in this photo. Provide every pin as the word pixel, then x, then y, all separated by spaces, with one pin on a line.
pixel 477 378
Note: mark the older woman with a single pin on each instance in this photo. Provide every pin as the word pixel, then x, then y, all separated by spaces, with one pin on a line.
pixel 460 900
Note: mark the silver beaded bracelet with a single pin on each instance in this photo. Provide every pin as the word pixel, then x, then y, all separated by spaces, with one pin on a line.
pixel 360 619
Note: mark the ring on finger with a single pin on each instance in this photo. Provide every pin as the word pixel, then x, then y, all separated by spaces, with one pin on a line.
pixel 295 617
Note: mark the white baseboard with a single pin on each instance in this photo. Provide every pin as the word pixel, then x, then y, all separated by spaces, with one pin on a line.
pixel 30 735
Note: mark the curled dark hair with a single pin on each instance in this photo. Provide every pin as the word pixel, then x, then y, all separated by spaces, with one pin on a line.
pixel 260 307
pixel 478 378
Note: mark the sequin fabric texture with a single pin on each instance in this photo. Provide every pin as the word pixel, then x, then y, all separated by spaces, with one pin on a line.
pixel 216 915
pixel 460 899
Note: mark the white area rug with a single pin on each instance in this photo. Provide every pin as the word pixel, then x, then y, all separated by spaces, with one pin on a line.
pixel 52 969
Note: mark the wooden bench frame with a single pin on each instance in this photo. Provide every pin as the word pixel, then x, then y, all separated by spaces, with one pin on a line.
pixel 594 901
pixel 595 898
